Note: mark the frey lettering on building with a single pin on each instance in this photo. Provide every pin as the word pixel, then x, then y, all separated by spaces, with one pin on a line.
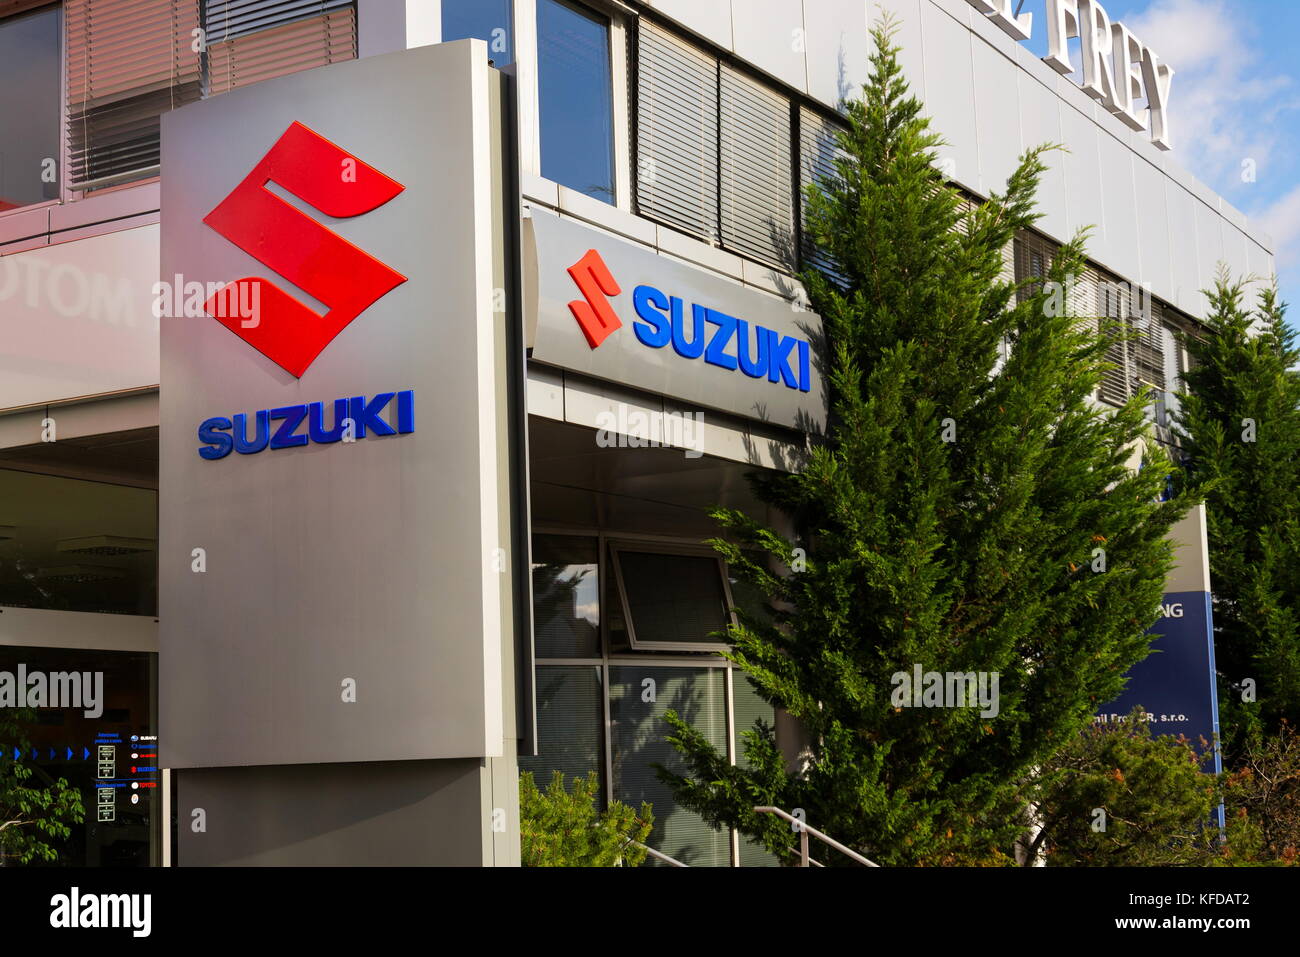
pixel 1118 68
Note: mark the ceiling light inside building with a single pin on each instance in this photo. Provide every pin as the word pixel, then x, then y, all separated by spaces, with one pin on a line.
pixel 80 574
pixel 106 545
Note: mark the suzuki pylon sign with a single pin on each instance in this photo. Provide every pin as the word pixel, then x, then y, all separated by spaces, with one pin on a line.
pixel 334 560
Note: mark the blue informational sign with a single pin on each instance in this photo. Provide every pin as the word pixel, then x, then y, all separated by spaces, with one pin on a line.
pixel 1175 683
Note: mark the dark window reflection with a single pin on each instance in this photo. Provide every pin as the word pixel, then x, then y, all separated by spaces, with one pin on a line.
pixel 108 756
pixel 73 545
pixel 488 20
pixel 673 598
pixel 566 597
pixel 638 740
pixel 576 98
pixel 570 716
pixel 30 102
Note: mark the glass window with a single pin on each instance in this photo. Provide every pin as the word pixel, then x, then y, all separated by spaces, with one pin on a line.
pixel 748 708
pixel 570 716
pixel 127 64
pixel 94 728
pixel 566 597
pixel 672 601
pixel 249 43
pixel 30 103
pixel 576 99
pixel 638 698
pixel 488 20
pixel 74 545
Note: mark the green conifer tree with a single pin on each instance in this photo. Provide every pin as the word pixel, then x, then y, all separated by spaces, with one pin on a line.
pixel 1241 424
pixel 966 512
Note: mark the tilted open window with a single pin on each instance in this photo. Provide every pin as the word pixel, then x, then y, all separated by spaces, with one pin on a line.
pixel 673 599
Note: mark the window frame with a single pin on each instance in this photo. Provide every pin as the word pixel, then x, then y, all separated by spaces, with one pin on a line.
pixel 528 72
pixel 796 100
pixel 65 193
pixel 616 546
pixel 609 658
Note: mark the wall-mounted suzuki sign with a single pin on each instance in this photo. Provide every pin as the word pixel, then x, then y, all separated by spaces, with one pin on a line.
pixel 646 321
pixel 332 587
pixel 1118 69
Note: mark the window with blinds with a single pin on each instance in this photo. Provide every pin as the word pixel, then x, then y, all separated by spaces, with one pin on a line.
pixel 713 146
pixel 253 40
pixel 818 149
pixel 1137 350
pixel 1032 257
pixel 755 175
pixel 127 63
pixel 676 133
pixel 671 601
pixel 638 735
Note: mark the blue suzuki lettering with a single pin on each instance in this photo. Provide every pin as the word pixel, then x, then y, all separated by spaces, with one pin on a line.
pixel 284 437
pixel 754 368
pixel 779 368
pixel 366 414
pixel 263 437
pixel 717 351
pixel 652 327
pixel 216 443
pixel 220 435
pixel 695 348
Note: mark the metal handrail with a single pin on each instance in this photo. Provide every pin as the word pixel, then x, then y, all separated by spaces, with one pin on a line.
pixel 659 855
pixel 806 829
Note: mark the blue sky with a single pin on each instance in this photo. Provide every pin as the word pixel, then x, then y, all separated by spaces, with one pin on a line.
pixel 1235 98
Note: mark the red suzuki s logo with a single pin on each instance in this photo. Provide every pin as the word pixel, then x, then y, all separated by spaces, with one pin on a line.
pixel 314 258
pixel 596 317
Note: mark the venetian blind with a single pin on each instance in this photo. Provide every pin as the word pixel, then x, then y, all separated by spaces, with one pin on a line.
pixel 818 149
pixel 253 40
pixel 127 63
pixel 755 176
pixel 676 133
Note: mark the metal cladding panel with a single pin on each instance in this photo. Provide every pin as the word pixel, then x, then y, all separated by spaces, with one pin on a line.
pixel 999 108
pixel 368 561
pixel 713 378
pixel 769 34
pixel 838 49
pixel 949 94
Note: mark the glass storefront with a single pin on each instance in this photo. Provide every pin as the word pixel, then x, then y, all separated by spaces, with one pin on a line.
pixel 601 701
pixel 71 545
pixel 84 715
pixel 89 720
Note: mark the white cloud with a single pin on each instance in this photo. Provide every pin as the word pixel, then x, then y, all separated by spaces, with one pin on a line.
pixel 1229 104
pixel 1223 103
pixel 1281 220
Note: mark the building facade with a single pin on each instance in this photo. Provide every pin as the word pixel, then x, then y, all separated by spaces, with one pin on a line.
pixel 616 159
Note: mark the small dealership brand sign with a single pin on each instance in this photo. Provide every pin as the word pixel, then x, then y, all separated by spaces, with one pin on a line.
pixel 1175 683
pixel 619 311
